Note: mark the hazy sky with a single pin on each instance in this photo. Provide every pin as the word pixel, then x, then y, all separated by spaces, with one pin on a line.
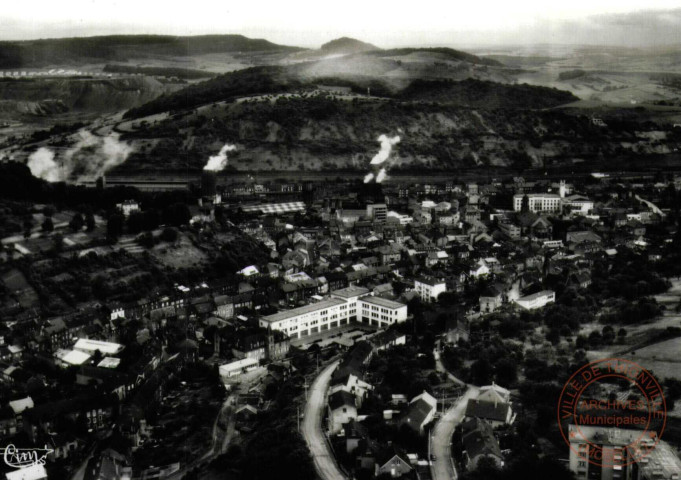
pixel 384 23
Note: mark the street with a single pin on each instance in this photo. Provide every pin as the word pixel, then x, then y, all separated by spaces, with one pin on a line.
pixel 442 468
pixel 323 458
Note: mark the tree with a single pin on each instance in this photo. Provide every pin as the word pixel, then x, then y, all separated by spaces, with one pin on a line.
pixel 89 222
pixel 47 225
pixel 135 222
pixel 525 204
pixel 58 243
pixel 114 226
pixel 506 372
pixel 169 235
pixel 481 372
pixel 77 222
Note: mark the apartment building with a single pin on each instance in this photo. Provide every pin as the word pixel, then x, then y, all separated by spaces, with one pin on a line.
pixel 618 459
pixel 429 288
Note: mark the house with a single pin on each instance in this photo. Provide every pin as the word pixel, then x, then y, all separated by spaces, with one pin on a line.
pixel 536 300
pixel 8 421
pixel 478 442
pixel 387 339
pixel 429 288
pixel 234 369
pixel 491 299
pixel 495 412
pixel 392 461
pixel 342 408
pixel 420 412
pixel 494 393
pixel 246 413
pixel 354 432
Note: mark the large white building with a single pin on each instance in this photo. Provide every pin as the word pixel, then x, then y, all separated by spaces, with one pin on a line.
pixel 352 304
pixel 537 300
pixel 429 288
pixel 538 202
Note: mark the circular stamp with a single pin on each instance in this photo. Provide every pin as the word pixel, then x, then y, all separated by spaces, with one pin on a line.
pixel 605 428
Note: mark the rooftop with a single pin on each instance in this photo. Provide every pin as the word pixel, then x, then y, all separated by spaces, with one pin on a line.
pixel 383 302
pixel 432 281
pixel 88 345
pixel 537 295
pixel 350 292
pixel 294 312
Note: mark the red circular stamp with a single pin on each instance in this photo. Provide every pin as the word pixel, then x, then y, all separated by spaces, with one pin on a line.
pixel 608 427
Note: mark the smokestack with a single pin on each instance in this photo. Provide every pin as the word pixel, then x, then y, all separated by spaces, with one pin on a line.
pixel 209 180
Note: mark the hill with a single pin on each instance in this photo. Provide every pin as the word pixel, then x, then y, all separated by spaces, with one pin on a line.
pixel 347 45
pixel 321 131
pixel 227 87
pixel 121 48
pixel 84 94
pixel 446 53
pixel 486 95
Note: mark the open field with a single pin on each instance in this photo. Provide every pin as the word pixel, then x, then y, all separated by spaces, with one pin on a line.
pixel 181 254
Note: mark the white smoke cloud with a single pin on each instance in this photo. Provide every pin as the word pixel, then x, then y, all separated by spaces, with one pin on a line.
pixel 381 157
pixel 386 147
pixel 42 165
pixel 93 156
pixel 219 162
pixel 90 157
pixel 381 175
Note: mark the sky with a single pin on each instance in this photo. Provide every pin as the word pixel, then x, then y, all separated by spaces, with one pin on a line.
pixel 386 24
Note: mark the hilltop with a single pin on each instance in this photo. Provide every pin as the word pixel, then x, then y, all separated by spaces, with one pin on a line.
pixel 123 48
pixel 347 45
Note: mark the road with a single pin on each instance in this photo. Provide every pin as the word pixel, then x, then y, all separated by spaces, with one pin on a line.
pixel 441 368
pixel 443 468
pixel 322 456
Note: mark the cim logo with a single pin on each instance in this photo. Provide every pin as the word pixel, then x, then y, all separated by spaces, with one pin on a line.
pixel 25 457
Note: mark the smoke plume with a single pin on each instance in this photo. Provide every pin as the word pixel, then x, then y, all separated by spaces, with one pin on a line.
pixel 381 173
pixel 386 147
pixel 93 156
pixel 42 165
pixel 89 158
pixel 218 162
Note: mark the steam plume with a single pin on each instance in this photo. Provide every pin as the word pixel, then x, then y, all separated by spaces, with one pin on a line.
pixel 93 156
pixel 386 147
pixel 90 157
pixel 381 175
pixel 219 161
pixel 42 165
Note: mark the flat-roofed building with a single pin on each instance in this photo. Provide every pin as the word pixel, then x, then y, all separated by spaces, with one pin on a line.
pixel 381 312
pixel 538 202
pixel 91 346
pixel 429 288
pixel 238 367
pixel 343 307
pixel 614 446
pixel 537 300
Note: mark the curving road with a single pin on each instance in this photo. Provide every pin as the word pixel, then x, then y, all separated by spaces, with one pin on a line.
pixel 443 466
pixel 322 456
